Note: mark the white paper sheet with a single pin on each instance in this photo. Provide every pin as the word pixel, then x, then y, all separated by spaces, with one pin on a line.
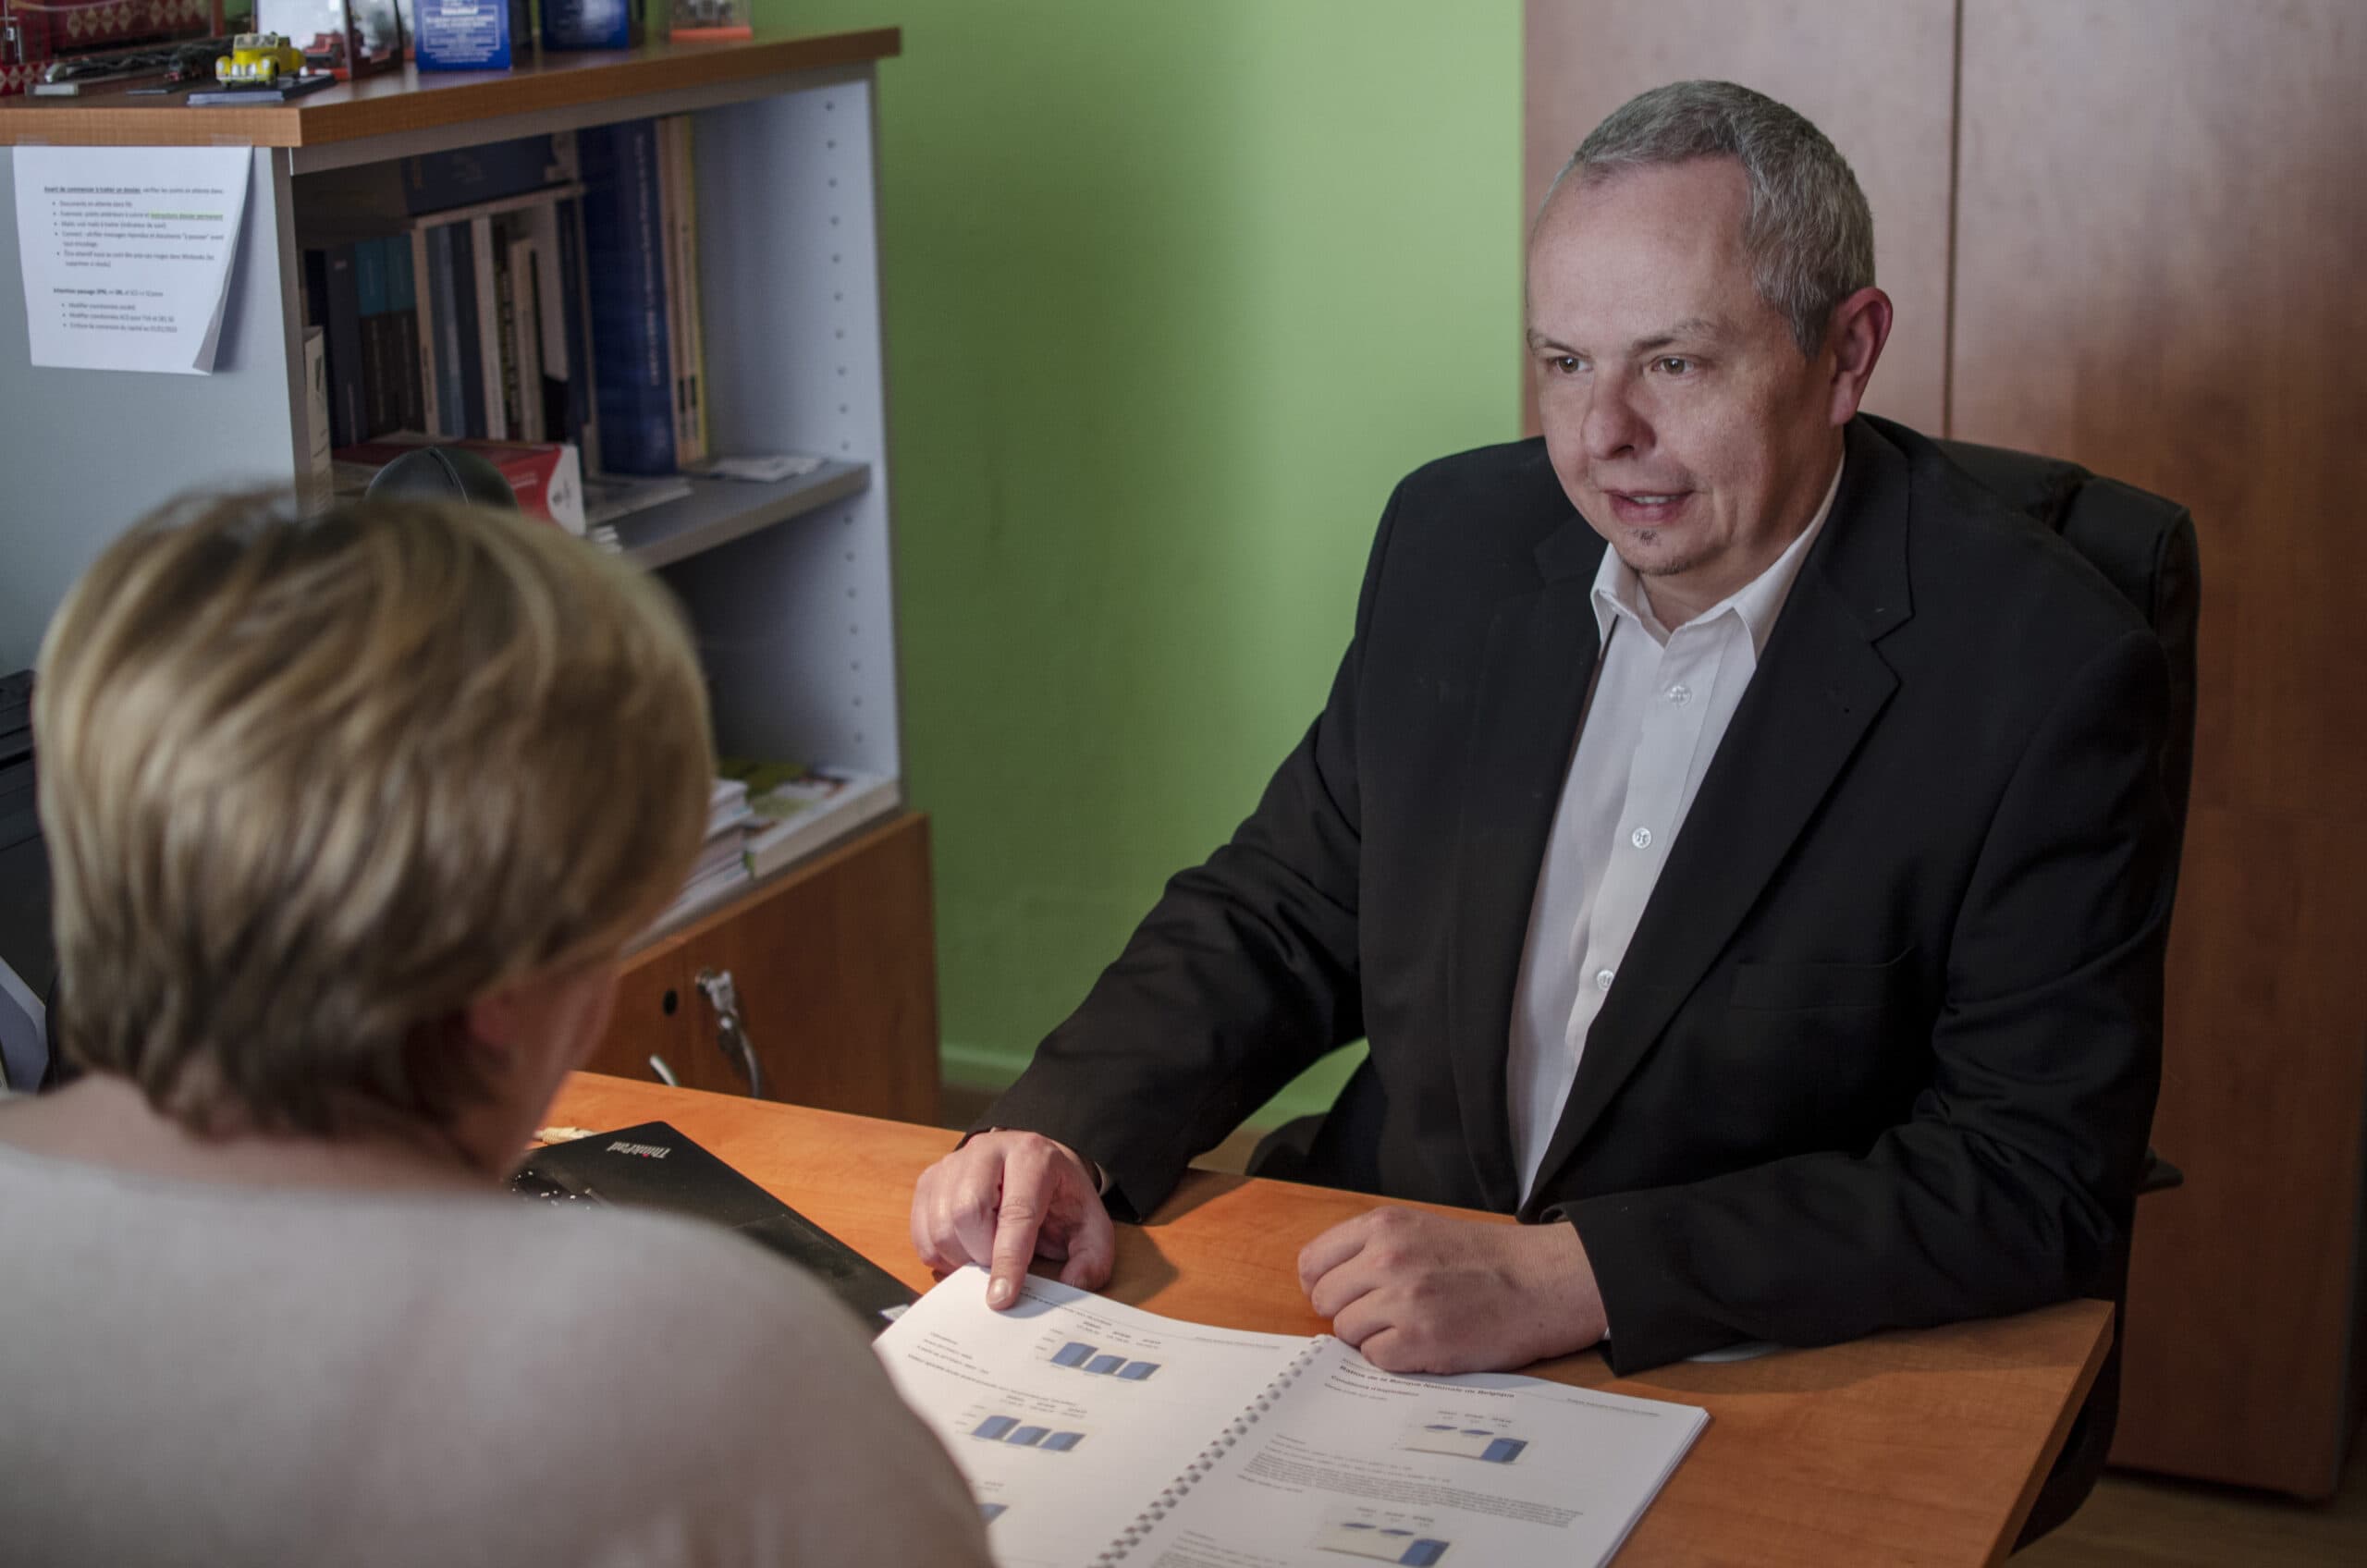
pixel 127 253
pixel 1354 1463
pixel 1093 1432
pixel 1068 1413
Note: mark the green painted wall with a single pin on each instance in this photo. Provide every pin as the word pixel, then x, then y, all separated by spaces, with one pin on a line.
pixel 1174 294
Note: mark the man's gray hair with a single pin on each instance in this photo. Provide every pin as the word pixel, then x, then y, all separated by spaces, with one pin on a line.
pixel 1806 227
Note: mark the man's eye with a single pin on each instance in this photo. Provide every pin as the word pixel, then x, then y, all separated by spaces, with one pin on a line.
pixel 1673 365
pixel 1564 364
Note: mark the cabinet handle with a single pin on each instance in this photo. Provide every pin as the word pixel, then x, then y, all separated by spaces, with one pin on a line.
pixel 730 1034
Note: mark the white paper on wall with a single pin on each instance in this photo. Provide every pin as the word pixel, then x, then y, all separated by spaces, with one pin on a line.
pixel 127 253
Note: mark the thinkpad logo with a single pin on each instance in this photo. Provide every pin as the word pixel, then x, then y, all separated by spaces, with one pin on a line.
pixel 647 1151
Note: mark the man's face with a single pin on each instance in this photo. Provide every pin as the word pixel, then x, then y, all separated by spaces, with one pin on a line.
pixel 1682 419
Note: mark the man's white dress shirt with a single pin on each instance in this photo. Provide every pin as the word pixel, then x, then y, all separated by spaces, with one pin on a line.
pixel 1659 707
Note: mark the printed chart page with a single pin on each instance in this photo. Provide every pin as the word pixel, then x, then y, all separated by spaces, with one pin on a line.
pixel 1353 1465
pixel 1069 1413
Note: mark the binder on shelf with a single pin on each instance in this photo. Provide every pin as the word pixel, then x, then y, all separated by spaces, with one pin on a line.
pixel 632 360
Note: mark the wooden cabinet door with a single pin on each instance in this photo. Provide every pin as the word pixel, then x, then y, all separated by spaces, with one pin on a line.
pixel 836 970
pixel 2161 216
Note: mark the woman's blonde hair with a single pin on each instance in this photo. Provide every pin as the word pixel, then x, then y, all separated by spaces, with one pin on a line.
pixel 311 786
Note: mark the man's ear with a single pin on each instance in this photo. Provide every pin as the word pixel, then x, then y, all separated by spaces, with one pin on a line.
pixel 1860 326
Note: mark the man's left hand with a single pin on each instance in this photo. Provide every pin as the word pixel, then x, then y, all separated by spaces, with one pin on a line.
pixel 1423 1292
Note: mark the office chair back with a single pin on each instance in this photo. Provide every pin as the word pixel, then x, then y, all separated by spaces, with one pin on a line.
pixel 2144 544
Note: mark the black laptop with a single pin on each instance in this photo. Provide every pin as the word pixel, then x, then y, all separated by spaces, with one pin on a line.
pixel 653 1166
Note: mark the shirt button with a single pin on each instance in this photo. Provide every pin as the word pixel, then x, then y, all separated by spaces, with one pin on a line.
pixel 1602 979
pixel 1680 695
pixel 1641 838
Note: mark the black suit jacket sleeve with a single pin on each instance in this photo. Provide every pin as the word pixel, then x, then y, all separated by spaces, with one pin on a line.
pixel 2011 1181
pixel 1243 975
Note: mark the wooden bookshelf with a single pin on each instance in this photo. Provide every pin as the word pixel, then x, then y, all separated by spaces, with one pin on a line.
pixel 788 585
pixel 411 101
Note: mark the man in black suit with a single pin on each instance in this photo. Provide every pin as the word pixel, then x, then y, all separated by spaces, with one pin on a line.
pixel 1768 907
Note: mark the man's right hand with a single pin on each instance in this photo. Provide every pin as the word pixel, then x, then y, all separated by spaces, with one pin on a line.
pixel 1004 1199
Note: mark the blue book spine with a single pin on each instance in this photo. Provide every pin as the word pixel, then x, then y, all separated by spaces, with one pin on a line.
pixel 402 309
pixel 381 402
pixel 330 290
pixel 470 349
pixel 632 369
pixel 451 400
pixel 433 181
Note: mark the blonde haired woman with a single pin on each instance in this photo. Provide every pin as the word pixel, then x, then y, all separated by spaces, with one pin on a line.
pixel 349 820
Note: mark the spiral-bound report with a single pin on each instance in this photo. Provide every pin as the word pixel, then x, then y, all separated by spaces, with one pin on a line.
pixel 1238 1446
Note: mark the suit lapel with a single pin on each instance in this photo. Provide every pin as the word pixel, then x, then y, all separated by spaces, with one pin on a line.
pixel 1540 655
pixel 1817 691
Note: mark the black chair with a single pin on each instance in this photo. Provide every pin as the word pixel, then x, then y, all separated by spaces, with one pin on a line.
pixel 2145 546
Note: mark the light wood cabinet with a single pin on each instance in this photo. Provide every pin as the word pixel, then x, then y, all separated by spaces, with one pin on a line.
pixel 832 964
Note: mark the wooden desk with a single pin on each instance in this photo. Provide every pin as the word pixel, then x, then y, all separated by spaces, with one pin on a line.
pixel 1922 1447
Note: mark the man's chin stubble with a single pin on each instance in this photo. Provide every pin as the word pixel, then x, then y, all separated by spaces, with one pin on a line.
pixel 1646 543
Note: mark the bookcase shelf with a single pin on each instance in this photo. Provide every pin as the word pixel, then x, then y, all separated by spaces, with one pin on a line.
pixel 410 111
pixel 718 511
pixel 788 585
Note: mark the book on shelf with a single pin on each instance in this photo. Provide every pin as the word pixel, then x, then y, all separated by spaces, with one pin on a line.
pixel 407 411
pixel 1093 1432
pixel 320 467
pixel 466 416
pixel 333 301
pixel 720 870
pixel 728 821
pixel 579 419
pixel 484 250
pixel 678 187
pixel 803 807
pixel 541 289
pixel 372 290
pixel 625 266
pixel 464 176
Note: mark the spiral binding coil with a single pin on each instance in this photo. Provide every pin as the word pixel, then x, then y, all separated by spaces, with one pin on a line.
pixel 1172 1493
